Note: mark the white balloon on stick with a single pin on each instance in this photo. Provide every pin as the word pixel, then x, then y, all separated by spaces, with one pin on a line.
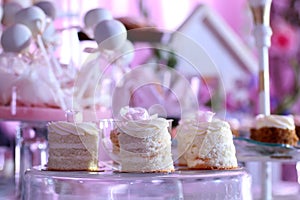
pixel 48 8
pixel 33 17
pixel 16 38
pixel 96 15
pixel 9 11
pixel 110 34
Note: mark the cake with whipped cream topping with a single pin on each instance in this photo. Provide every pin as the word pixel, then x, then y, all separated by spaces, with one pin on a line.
pixel 297 125
pixel 143 141
pixel 73 146
pixel 274 129
pixel 205 142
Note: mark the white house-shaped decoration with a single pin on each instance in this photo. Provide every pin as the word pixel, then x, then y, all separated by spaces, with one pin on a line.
pixel 205 45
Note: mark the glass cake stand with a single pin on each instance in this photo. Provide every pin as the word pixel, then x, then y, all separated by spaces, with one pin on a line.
pixel 108 184
pixel 252 150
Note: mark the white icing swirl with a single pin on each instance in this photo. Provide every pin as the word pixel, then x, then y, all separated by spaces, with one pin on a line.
pixel 199 116
pixel 143 128
pixel 276 121
pixel 67 128
pixel 137 113
pixel 205 116
pixel 136 122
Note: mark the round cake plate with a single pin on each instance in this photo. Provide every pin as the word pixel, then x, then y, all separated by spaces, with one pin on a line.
pixel 252 150
pixel 108 184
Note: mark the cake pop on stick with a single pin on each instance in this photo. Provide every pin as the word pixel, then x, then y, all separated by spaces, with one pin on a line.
pixel 15 42
pixel 95 16
pixel 48 8
pixel 9 11
pixel 16 38
pixel 110 34
pixel 35 19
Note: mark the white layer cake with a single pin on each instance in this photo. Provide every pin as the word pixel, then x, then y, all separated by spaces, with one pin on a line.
pixel 206 144
pixel 73 146
pixel 145 144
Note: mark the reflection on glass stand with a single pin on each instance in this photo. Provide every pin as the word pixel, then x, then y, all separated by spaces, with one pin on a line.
pixel 30 150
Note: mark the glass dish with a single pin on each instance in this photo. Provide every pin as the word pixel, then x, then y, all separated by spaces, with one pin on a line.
pixel 185 184
pixel 248 149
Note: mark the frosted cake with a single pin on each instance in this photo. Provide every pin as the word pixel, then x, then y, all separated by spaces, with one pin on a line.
pixel 143 143
pixel 274 129
pixel 205 143
pixel 73 146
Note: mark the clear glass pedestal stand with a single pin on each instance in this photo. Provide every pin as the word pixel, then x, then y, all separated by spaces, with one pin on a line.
pixel 31 149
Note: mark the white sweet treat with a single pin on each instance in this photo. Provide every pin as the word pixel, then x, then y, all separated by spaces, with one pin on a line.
pixel 13 63
pixel 206 144
pixel 276 121
pixel 9 11
pixel 38 87
pixel 31 92
pixel 94 16
pixel 38 81
pixel 73 146
pixel 48 8
pixel 33 17
pixel 35 83
pixel 145 143
pixel 16 38
pixel 110 34
pixel 11 66
pixel 137 113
